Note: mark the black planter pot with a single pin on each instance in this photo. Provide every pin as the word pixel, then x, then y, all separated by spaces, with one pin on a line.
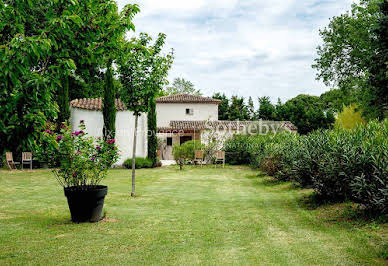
pixel 86 202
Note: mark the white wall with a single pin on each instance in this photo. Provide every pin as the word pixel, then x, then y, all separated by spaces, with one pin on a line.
pixel 125 124
pixel 166 112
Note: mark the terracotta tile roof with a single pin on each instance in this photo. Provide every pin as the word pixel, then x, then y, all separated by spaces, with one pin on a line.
pixel 95 104
pixel 225 125
pixel 186 98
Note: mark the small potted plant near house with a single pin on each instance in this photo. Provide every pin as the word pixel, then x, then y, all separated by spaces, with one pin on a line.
pixel 83 163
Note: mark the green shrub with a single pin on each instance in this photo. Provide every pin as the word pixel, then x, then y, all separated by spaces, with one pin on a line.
pixel 186 152
pixel 236 150
pixel 370 184
pixel 139 163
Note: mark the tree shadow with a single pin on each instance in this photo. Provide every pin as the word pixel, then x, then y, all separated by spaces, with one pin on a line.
pixel 340 211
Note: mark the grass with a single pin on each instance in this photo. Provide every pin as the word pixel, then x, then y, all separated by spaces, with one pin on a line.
pixel 198 216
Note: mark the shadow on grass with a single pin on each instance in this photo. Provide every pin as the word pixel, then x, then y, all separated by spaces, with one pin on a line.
pixel 340 211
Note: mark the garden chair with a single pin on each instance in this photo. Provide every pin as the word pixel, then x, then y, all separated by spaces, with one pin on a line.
pixel 27 159
pixel 198 157
pixel 10 162
pixel 220 157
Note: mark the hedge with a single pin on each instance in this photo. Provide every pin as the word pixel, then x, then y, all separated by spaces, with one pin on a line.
pixel 338 164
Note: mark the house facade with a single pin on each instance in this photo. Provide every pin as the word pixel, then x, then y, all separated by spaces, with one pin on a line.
pixel 184 117
pixel 90 111
pixel 180 118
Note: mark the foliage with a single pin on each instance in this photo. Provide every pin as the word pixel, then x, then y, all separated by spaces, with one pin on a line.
pixel 338 164
pixel 143 71
pixel 237 109
pixel 353 55
pixel 347 46
pixel 49 49
pixel 212 142
pixel 139 164
pixel 236 150
pixel 266 109
pixel 109 105
pixel 307 113
pixel 375 97
pixel 251 109
pixel 63 102
pixel 186 151
pixel 350 117
pixel 182 86
pixel 152 133
pixel 223 108
pixel 46 145
pixel 370 182
pixel 26 100
pixel 83 161
pixel 336 99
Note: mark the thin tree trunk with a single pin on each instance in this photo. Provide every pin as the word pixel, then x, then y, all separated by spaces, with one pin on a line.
pixel 134 158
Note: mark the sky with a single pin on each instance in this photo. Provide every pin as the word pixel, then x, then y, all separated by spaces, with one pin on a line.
pixel 242 47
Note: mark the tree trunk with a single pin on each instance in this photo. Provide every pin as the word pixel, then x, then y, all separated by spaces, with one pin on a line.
pixel 134 158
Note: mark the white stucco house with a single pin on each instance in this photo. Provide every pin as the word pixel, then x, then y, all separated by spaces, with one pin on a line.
pixel 183 117
pixel 90 111
pixel 180 118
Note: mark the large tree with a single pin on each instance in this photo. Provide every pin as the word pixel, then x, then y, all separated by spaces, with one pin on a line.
pixel 267 110
pixel 50 49
pixel 223 108
pixel 143 72
pixel 307 113
pixel 350 57
pixel 182 86
pixel 375 98
pixel 238 109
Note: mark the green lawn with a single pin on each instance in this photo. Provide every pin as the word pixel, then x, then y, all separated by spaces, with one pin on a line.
pixel 198 216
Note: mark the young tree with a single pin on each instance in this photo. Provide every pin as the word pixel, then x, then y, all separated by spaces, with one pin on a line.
pixel 142 73
pixel 182 86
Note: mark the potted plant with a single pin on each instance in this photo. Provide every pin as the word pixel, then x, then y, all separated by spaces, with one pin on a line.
pixel 83 163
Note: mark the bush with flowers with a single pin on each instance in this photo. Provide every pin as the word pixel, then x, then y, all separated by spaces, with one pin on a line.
pixel 83 161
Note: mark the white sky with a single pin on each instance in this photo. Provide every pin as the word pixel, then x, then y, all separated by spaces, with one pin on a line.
pixel 242 47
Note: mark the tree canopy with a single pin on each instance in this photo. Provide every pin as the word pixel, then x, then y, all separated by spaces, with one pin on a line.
pixel 182 86
pixel 50 48
pixel 353 55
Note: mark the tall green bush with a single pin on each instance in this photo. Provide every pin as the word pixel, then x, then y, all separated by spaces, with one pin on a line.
pixel 152 131
pixel 109 106
pixel 236 150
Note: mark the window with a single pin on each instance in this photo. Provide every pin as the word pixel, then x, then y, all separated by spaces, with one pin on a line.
pixel 189 111
pixel 169 141
pixel 184 139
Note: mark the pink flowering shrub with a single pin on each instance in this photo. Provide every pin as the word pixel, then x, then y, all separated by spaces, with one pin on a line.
pixel 83 160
